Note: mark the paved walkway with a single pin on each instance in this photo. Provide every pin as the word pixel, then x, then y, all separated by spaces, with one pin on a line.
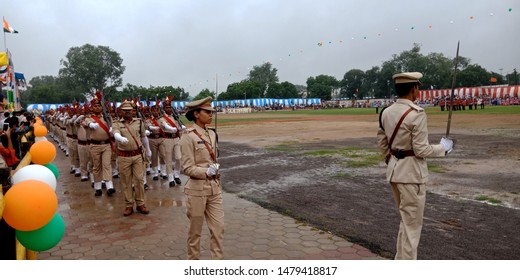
pixel 97 229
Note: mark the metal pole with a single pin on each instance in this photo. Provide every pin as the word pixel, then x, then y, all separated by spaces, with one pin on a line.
pixel 216 101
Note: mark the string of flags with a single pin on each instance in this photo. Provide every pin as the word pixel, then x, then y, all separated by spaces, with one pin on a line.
pixel 364 37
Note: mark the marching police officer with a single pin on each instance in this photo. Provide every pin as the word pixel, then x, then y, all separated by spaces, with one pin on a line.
pixel 130 134
pixel 172 134
pixel 100 147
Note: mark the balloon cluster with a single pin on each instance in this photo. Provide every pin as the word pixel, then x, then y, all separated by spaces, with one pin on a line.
pixel 31 203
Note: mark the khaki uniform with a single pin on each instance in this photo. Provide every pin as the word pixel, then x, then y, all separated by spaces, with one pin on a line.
pixel 100 151
pixel 171 147
pixel 72 143
pixel 408 175
pixel 203 195
pixel 157 147
pixel 130 160
pixel 85 163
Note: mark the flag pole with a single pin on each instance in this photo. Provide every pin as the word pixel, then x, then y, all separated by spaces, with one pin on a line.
pixel 5 42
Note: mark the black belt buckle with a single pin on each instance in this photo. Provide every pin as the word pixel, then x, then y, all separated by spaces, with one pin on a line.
pixel 399 154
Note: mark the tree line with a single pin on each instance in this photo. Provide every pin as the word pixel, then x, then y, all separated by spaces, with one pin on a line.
pixel 89 68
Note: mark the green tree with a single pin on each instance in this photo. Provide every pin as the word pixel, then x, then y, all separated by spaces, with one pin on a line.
pixel 473 76
pixel 89 68
pixel 439 71
pixel 204 93
pixel 352 83
pixel 49 90
pixel 513 78
pixel 263 74
pixel 321 86
pixel 243 90
pixel 282 90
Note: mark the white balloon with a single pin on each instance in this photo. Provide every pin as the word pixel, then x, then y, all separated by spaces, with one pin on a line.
pixel 35 172
pixel 43 138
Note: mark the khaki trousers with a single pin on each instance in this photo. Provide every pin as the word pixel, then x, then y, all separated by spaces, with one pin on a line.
pixel 84 159
pixel 131 172
pixel 410 200
pixel 72 145
pixel 101 168
pixel 209 207
pixel 158 150
pixel 172 151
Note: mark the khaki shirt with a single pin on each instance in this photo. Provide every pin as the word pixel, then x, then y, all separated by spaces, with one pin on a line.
pixel 162 121
pixel 83 132
pixel 411 135
pixel 196 159
pixel 136 128
pixel 149 123
pixel 70 126
pixel 97 134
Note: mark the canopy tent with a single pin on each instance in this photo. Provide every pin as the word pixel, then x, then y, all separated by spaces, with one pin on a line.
pixel 221 103
pixel 465 92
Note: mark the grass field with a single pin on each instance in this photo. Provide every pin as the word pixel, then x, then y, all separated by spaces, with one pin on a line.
pixel 289 115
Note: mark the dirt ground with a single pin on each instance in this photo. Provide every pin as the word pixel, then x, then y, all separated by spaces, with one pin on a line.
pixel 265 161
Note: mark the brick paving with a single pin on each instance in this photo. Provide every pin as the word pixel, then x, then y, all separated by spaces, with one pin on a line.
pixel 97 230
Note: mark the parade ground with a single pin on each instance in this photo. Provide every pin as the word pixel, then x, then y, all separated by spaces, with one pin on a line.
pixel 310 185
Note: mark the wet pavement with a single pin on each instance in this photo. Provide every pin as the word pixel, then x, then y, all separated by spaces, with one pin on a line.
pixel 97 230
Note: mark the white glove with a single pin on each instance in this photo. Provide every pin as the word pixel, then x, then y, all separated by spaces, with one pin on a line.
pixel 216 166
pixel 93 125
pixel 110 130
pixel 78 120
pixel 448 144
pixel 147 132
pixel 212 171
pixel 120 139
pixel 154 128
pixel 148 153
pixel 169 128
pixel 183 127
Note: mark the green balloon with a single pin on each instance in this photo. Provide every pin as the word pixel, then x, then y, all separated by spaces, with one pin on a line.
pixel 45 237
pixel 53 168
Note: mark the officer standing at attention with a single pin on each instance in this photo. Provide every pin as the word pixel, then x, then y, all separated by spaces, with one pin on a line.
pixel 130 134
pixel 203 190
pixel 403 139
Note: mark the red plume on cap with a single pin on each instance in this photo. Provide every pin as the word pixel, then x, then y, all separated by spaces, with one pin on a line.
pixel 86 108
pixel 168 100
pixel 157 103
pixel 97 98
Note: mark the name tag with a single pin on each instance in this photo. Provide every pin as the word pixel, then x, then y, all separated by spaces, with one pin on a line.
pixel 200 142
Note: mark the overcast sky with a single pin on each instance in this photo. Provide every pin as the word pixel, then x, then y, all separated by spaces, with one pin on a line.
pixel 188 43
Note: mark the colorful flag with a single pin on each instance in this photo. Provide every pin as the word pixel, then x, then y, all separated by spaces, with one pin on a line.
pixel 3 59
pixel 8 28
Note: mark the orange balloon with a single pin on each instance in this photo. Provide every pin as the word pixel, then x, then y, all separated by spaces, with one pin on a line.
pixel 42 152
pixel 29 205
pixel 38 122
pixel 40 130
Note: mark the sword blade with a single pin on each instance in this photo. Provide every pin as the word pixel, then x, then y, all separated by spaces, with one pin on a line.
pixel 453 81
